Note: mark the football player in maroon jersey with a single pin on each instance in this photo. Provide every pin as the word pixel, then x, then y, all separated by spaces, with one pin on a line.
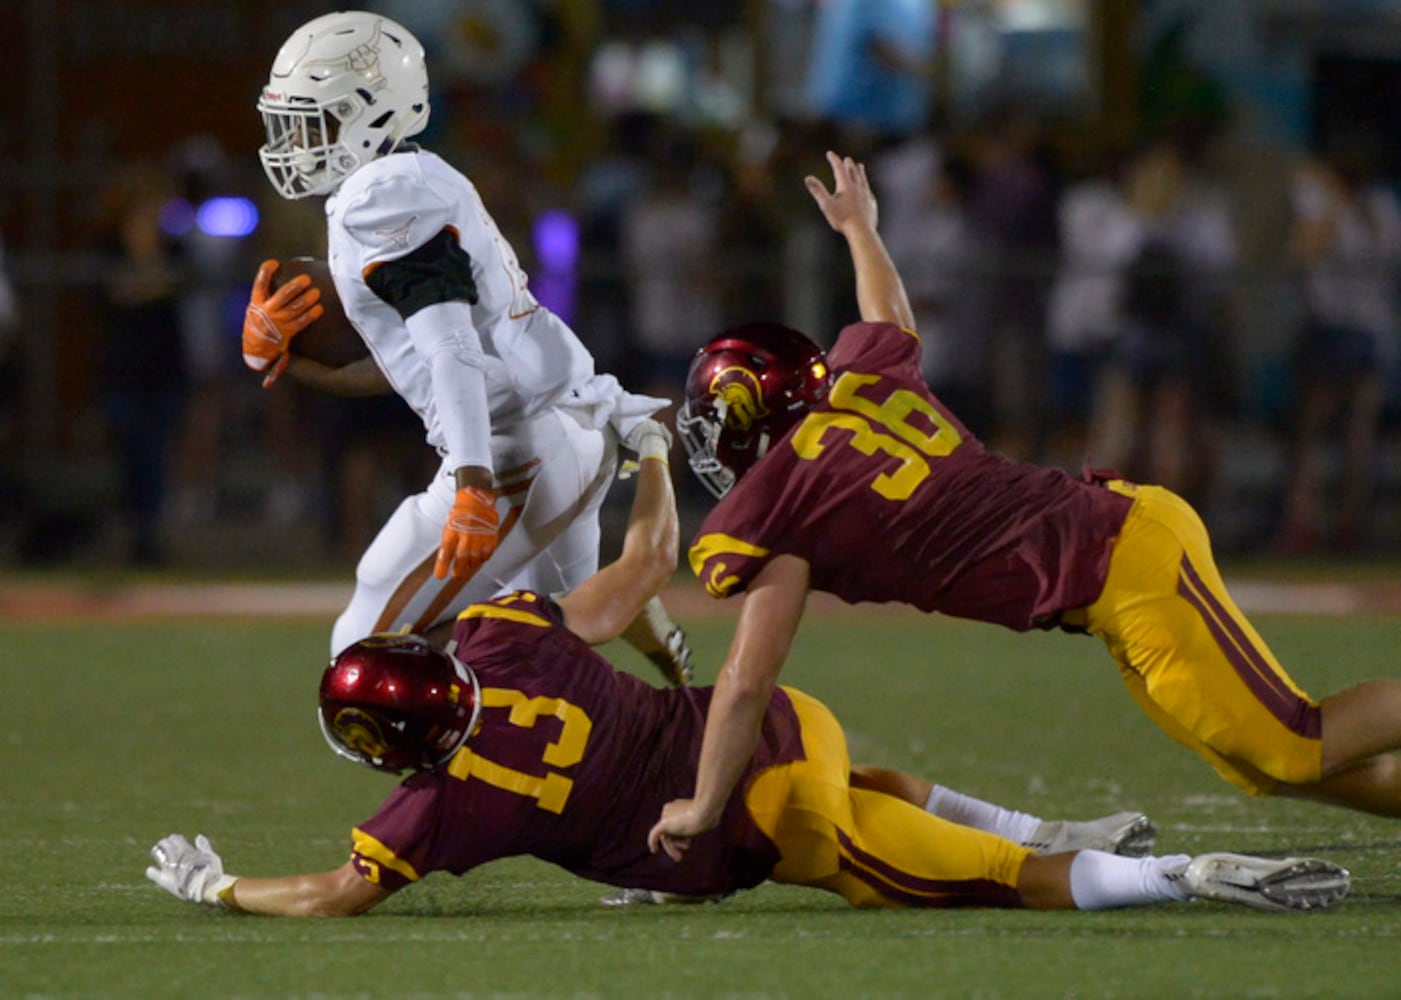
pixel 523 740
pixel 843 473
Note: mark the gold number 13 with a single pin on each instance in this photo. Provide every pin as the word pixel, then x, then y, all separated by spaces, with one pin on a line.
pixel 551 791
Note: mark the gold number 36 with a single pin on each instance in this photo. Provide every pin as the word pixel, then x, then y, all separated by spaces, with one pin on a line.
pixel 896 436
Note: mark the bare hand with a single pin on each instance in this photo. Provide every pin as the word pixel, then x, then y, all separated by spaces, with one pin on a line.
pixel 679 823
pixel 850 203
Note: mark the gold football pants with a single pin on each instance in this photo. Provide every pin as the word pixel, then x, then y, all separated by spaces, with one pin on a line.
pixel 872 848
pixel 1190 658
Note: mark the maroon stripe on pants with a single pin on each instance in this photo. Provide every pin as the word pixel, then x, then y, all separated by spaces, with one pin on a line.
pixel 1295 713
pixel 913 891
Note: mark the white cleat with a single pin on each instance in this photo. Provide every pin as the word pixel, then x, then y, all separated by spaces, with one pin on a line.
pixel 651 897
pixel 634 897
pixel 1266 883
pixel 675 660
pixel 1130 834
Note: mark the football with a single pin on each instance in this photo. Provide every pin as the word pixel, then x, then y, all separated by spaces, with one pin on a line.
pixel 330 340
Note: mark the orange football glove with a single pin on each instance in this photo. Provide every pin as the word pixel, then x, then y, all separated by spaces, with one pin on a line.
pixel 470 535
pixel 274 318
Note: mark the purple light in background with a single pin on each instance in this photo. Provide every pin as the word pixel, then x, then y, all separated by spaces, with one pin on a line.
pixel 177 217
pixel 227 216
pixel 557 240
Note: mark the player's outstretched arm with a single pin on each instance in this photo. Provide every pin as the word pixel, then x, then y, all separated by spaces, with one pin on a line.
pixel 850 208
pixel 338 893
pixel 195 873
pixel 605 604
pixel 768 620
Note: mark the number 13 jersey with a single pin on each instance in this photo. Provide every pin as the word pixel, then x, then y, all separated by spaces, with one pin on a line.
pixel 888 497
pixel 571 762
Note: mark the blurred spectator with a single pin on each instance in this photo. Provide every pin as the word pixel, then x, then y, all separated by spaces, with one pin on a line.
pixel 9 307
pixel 220 237
pixel 814 294
pixel 930 238
pixel 1099 235
pixel 670 245
pixel 375 455
pixel 215 268
pixel 1172 373
pixel 871 67
pixel 142 364
pixel 1347 241
pixel 603 194
pixel 671 257
pixel 1012 206
pixel 14 510
pixel 753 227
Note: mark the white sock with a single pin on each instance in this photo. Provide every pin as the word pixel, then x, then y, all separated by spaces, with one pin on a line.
pixel 1100 881
pixel 956 807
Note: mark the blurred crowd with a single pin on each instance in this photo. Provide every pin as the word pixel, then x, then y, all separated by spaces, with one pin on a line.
pixel 191 448
pixel 1076 314
pixel 1080 303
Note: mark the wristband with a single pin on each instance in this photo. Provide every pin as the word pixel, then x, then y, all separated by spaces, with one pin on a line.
pixel 220 892
pixel 656 446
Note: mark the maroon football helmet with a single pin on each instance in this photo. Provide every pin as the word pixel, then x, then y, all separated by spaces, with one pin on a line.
pixel 395 701
pixel 745 390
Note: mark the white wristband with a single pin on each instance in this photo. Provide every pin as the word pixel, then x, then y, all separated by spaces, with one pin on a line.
pixel 217 893
pixel 656 446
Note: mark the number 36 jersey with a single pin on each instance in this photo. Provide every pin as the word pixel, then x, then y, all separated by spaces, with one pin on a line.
pixel 571 762
pixel 888 497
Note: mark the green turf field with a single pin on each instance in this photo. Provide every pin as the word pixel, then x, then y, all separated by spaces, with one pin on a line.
pixel 118 734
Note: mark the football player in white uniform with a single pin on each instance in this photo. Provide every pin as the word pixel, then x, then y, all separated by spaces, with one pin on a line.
pixel 508 395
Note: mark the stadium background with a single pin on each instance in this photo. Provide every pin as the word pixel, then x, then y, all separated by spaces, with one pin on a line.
pixel 146 698
pixel 535 100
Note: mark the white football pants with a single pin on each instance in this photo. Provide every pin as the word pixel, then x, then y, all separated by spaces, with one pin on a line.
pixel 552 473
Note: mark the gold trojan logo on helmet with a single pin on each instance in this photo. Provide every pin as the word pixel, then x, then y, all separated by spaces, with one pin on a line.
pixel 360 732
pixel 738 396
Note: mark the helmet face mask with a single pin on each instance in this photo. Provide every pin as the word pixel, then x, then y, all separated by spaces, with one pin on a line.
pixel 745 390
pixel 345 89
pixel 302 156
pixel 699 428
pixel 394 702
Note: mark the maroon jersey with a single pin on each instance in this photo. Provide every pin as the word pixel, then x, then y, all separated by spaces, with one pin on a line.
pixel 572 762
pixel 889 498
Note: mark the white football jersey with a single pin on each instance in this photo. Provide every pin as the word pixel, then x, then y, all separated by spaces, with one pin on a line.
pixel 530 358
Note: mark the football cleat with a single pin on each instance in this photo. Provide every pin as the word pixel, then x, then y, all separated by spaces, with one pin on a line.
pixel 651 897
pixel 1280 884
pixel 1130 834
pixel 675 660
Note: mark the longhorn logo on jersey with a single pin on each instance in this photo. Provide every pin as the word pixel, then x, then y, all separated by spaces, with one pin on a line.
pixel 398 236
pixel 738 396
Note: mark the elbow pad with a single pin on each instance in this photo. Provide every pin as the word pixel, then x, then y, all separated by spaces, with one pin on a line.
pixel 438 271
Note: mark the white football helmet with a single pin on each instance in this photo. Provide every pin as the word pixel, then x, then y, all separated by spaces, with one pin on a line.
pixel 345 89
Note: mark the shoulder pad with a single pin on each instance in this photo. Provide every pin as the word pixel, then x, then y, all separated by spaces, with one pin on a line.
pixel 395 214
